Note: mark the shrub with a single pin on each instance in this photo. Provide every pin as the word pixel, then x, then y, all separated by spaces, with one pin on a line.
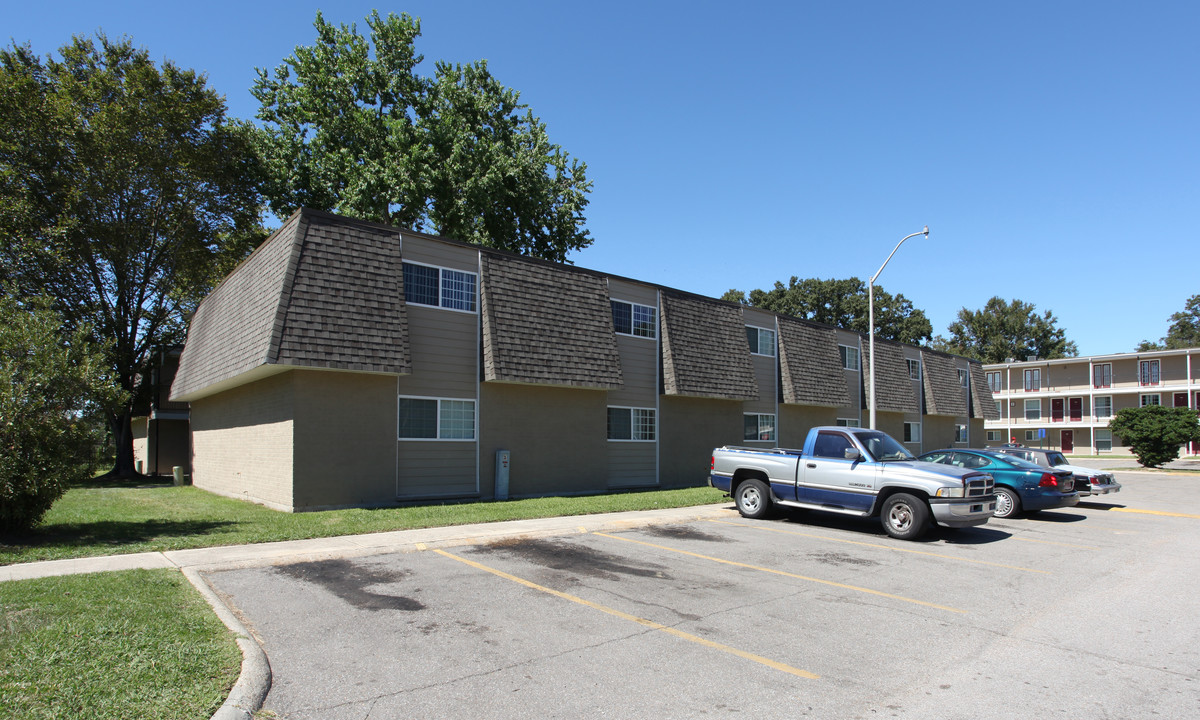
pixel 1155 433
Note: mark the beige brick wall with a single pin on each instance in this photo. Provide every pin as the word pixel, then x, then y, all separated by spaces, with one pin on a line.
pixel 691 428
pixel 796 420
pixel 242 442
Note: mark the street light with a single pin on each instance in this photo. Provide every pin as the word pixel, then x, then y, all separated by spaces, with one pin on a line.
pixel 871 315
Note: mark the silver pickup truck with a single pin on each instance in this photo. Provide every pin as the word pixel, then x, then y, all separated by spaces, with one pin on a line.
pixel 855 471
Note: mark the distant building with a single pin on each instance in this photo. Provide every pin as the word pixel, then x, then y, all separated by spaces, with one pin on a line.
pixel 1068 403
pixel 346 363
pixel 161 439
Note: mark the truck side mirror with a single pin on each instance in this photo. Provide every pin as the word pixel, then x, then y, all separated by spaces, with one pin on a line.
pixel 853 454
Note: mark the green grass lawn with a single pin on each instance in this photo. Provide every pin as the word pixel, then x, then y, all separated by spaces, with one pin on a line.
pixel 135 644
pixel 110 519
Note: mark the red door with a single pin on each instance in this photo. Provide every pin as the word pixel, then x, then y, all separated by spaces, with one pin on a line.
pixel 1180 399
pixel 1068 440
pixel 1075 405
pixel 1056 410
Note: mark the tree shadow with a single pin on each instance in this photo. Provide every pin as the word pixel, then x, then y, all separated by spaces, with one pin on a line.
pixel 111 534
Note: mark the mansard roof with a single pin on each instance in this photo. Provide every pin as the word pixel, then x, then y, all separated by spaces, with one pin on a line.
pixel 704 349
pixel 811 368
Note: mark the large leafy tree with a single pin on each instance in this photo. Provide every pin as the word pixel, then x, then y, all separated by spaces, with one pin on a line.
pixel 842 303
pixel 1184 331
pixel 1003 330
pixel 124 195
pixel 1155 433
pixel 349 126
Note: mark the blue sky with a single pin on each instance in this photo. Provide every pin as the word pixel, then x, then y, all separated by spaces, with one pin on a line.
pixel 1051 147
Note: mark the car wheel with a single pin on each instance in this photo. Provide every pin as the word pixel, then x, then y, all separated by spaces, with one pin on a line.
pixel 753 499
pixel 1007 502
pixel 904 516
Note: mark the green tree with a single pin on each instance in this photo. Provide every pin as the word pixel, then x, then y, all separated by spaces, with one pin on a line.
pixel 50 379
pixel 1184 331
pixel 349 126
pixel 842 303
pixel 1155 433
pixel 125 194
pixel 1003 330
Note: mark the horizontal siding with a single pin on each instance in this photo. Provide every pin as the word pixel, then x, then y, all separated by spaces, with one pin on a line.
pixel 445 353
pixel 632 292
pixel 432 252
pixel 632 464
pixel 764 375
pixel 436 468
pixel 639 371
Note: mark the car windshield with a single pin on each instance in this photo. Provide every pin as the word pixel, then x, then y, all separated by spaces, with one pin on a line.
pixel 1056 458
pixel 883 448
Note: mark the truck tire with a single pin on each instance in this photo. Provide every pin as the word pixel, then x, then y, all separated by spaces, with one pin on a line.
pixel 753 499
pixel 1008 503
pixel 904 516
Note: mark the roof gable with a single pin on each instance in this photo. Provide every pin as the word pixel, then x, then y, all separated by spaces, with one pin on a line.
pixel 705 352
pixel 811 367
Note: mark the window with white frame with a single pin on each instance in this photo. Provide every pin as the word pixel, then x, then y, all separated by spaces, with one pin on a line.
pixel 633 319
pixel 995 435
pixel 995 383
pixel 1033 379
pixel 912 432
pixel 1153 399
pixel 759 427
pixel 762 340
pixel 850 357
pixel 849 422
pixel 1102 406
pixel 439 287
pixel 1148 372
pixel 1103 440
pixel 435 419
pixel 999 409
pixel 914 369
pixel 1031 436
pixel 1102 375
pixel 634 424
pixel 963 378
pixel 1033 409
pixel 960 433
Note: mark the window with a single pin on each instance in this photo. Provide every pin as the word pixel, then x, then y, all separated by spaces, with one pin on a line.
pixel 960 433
pixel 993 381
pixel 1033 409
pixel 848 422
pixel 914 369
pixel 436 419
pixel 1031 436
pixel 831 445
pixel 1033 380
pixel 631 424
pixel 912 431
pixel 1148 373
pixel 762 341
pixel 849 357
pixel 1150 400
pixel 1102 407
pixel 633 319
pixel 995 435
pixel 999 409
pixel 759 427
pixel 1102 375
pixel 1103 440
pixel 963 378
pixel 439 287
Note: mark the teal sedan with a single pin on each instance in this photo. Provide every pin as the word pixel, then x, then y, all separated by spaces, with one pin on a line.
pixel 1020 485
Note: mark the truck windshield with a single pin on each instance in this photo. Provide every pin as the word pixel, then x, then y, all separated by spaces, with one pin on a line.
pixel 882 447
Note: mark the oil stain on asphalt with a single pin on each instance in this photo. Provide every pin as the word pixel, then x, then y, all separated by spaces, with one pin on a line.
pixel 572 558
pixel 350 582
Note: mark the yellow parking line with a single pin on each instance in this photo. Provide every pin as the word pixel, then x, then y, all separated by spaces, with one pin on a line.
pixel 1155 512
pixel 633 618
pixel 877 545
pixel 785 574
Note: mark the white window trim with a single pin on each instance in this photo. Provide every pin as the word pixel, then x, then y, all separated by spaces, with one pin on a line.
pixel 774 345
pixel 997 386
pixel 857 358
pixel 438 415
pixel 849 422
pixel 1158 373
pixel 1142 399
pixel 1032 402
pixel 760 415
pixel 995 435
pixel 633 425
pixel 631 334
pixel 917 364
pixel 965 433
pixel 914 433
pixel 1098 416
pixel 439 306
pixel 1110 380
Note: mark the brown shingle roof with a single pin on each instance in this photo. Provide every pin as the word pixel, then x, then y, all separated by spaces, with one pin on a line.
pixel 549 325
pixel 982 403
pixel 705 352
pixel 811 367
pixel 944 393
pixel 893 386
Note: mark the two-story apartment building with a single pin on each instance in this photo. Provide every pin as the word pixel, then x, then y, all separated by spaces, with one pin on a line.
pixel 346 363
pixel 1068 403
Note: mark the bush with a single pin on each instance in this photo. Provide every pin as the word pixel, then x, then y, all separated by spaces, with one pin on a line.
pixel 1155 433
pixel 48 380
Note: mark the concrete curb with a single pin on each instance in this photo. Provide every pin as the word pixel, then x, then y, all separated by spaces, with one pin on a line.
pixel 254 682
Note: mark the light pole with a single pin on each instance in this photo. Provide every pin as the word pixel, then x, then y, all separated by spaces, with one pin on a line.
pixel 871 316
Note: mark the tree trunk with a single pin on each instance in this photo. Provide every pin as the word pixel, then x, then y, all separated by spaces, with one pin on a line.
pixel 122 429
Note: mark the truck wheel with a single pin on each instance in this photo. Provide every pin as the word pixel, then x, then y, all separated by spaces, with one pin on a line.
pixel 1007 502
pixel 904 517
pixel 753 499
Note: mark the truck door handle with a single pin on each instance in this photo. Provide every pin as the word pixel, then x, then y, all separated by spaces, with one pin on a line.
pixel 810 465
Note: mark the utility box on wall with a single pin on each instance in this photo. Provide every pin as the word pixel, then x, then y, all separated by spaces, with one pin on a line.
pixel 503 458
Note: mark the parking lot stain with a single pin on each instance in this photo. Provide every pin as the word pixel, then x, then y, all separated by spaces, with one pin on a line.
pixel 350 582
pixel 836 558
pixel 572 558
pixel 683 532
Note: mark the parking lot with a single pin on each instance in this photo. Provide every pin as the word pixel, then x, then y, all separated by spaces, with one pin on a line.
pixel 1087 612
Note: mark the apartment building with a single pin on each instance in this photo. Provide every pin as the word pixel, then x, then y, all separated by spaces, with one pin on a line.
pixel 347 363
pixel 1068 403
